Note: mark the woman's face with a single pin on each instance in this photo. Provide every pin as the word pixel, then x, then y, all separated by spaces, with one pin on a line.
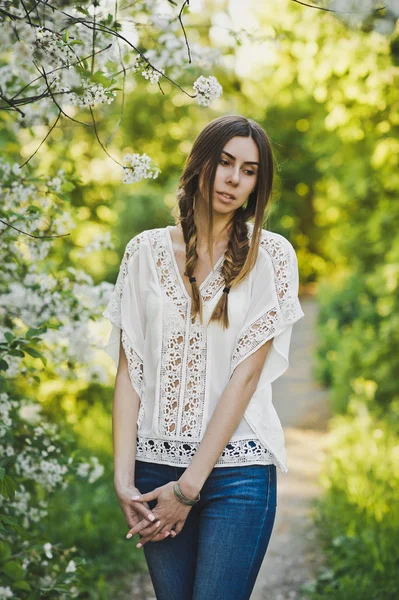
pixel 236 174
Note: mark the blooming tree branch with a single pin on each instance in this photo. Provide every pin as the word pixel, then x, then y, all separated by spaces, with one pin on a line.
pixel 82 53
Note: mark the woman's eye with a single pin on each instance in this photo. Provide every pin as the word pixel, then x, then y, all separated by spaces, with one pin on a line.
pixel 226 163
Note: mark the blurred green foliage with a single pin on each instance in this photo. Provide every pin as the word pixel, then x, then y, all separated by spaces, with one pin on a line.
pixel 89 518
pixel 358 517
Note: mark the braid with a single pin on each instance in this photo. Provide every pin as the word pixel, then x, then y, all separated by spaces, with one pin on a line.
pixel 190 239
pixel 234 259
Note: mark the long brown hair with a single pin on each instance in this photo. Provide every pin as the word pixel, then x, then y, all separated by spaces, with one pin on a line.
pixel 240 256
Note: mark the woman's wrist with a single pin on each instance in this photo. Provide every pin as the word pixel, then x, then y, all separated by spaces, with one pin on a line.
pixel 123 483
pixel 189 489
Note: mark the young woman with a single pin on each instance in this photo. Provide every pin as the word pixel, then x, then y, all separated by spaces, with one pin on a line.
pixel 202 315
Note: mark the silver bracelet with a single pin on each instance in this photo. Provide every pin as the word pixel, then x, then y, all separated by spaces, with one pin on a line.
pixel 182 498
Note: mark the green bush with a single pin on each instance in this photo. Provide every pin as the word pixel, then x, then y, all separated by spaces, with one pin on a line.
pixel 358 328
pixel 358 516
pixel 92 521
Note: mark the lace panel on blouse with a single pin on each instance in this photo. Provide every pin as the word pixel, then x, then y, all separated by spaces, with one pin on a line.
pixel 183 376
pixel 285 312
pixel 182 452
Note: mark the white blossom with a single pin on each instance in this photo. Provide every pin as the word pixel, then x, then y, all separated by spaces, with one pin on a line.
pixel 151 72
pixel 47 581
pixel 30 412
pixel 7 450
pixel 98 243
pixel 5 592
pixel 71 567
pixel 47 550
pixel 5 408
pixel 56 182
pixel 92 469
pixel 47 472
pixel 136 167
pixel 207 88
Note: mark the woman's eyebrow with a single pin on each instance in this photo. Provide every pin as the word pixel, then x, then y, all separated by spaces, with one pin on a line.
pixel 246 162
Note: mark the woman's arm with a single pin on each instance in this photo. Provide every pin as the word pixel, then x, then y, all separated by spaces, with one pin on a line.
pixel 225 420
pixel 125 410
pixel 124 430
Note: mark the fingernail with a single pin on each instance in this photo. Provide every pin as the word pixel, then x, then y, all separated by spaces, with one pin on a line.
pixel 151 517
pixel 138 545
pixel 135 497
pixel 158 523
pixel 129 535
pixel 167 533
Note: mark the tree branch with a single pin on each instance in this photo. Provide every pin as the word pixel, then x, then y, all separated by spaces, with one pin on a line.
pixel 43 140
pixel 337 11
pixel 184 31
pixel 39 237
pixel 100 142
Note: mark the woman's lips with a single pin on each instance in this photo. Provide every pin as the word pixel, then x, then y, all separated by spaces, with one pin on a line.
pixel 224 198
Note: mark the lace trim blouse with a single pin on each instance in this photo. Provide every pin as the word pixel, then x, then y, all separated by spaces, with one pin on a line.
pixel 179 369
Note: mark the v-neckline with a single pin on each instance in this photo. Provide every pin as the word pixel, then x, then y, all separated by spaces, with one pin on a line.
pixel 177 270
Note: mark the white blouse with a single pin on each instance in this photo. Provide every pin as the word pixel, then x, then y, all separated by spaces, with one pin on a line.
pixel 180 369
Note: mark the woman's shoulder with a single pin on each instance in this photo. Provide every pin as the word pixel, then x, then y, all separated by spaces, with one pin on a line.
pixel 276 254
pixel 142 239
pixel 272 242
pixel 275 244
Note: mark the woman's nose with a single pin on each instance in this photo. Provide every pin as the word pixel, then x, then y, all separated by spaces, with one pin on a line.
pixel 234 177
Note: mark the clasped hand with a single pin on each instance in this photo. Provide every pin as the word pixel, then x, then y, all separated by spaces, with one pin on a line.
pixel 169 513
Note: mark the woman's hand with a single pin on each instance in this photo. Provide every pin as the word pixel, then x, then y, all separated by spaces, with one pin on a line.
pixel 137 512
pixel 169 511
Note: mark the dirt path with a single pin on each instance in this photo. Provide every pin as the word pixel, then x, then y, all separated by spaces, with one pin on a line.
pixel 292 555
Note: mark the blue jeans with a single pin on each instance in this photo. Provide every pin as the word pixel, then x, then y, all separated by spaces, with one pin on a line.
pixel 218 553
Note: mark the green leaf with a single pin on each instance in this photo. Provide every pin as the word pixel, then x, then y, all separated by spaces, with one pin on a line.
pixel 2 472
pixel 65 37
pixel 8 487
pixel 5 551
pixel 35 331
pixel 33 209
pixel 21 585
pixel 8 520
pixel 14 570
pixel 9 336
pixel 3 365
pixel 67 186
pixel 36 354
pixel 99 77
pixel 83 10
pixel 16 353
pixel 74 42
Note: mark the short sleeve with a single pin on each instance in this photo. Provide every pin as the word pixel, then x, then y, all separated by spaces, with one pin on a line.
pixel 274 307
pixel 126 313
